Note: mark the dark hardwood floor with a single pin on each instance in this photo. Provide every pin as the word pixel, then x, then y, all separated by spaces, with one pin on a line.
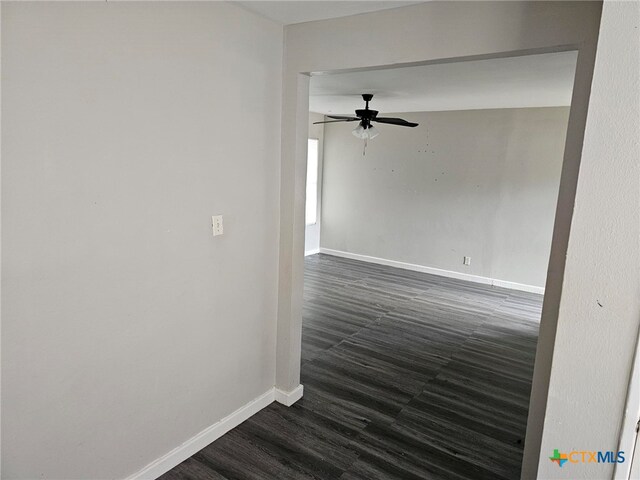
pixel 406 376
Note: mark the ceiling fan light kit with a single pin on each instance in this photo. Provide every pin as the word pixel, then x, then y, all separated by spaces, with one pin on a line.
pixel 365 133
pixel 365 130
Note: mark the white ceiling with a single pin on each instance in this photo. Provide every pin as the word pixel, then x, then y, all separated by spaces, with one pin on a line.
pixel 295 11
pixel 515 82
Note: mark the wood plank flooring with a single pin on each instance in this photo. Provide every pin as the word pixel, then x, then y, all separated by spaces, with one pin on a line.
pixel 406 376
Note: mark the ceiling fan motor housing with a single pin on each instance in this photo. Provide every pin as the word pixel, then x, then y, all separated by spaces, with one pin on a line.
pixel 366 115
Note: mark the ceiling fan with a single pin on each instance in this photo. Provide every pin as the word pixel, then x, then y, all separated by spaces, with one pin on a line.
pixel 364 129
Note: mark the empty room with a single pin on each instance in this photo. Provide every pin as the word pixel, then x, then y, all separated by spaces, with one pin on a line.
pixel 255 240
pixel 423 304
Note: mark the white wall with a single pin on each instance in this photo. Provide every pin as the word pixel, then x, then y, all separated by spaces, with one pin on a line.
pixel 127 328
pixel 600 308
pixel 477 183
pixel 312 232
pixel 426 33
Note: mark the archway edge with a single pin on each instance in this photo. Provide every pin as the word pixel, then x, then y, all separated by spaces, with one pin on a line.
pixel 429 33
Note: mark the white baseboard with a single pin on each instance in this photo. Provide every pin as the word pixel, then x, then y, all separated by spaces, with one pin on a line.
pixel 215 431
pixel 523 287
pixel 289 398
pixel 312 252
pixel 435 271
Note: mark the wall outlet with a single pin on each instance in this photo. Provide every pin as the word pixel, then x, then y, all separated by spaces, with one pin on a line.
pixel 218 227
pixel 467 260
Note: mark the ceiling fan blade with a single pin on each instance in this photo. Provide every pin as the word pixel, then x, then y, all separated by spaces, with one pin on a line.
pixel 342 117
pixel 334 121
pixel 394 121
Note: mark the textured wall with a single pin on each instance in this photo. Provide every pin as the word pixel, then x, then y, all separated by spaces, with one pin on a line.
pixel 599 313
pixel 126 327
pixel 478 183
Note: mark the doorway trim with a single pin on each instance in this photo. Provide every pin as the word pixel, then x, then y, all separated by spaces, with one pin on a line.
pixel 564 33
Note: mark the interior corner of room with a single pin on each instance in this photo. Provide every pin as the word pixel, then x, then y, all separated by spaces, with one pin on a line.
pixel 470 193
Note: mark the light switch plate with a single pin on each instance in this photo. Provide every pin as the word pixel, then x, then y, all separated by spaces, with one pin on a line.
pixel 218 227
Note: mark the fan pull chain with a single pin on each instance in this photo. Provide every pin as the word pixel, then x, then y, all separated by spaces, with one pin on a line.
pixel 364 149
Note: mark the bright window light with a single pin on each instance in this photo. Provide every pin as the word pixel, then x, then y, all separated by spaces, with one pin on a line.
pixel 311 210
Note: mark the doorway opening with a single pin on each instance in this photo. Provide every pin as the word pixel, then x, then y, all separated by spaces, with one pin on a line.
pixel 422 304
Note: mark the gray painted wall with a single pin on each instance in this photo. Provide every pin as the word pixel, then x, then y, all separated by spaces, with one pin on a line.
pixel 478 183
pixel 600 309
pixel 126 327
